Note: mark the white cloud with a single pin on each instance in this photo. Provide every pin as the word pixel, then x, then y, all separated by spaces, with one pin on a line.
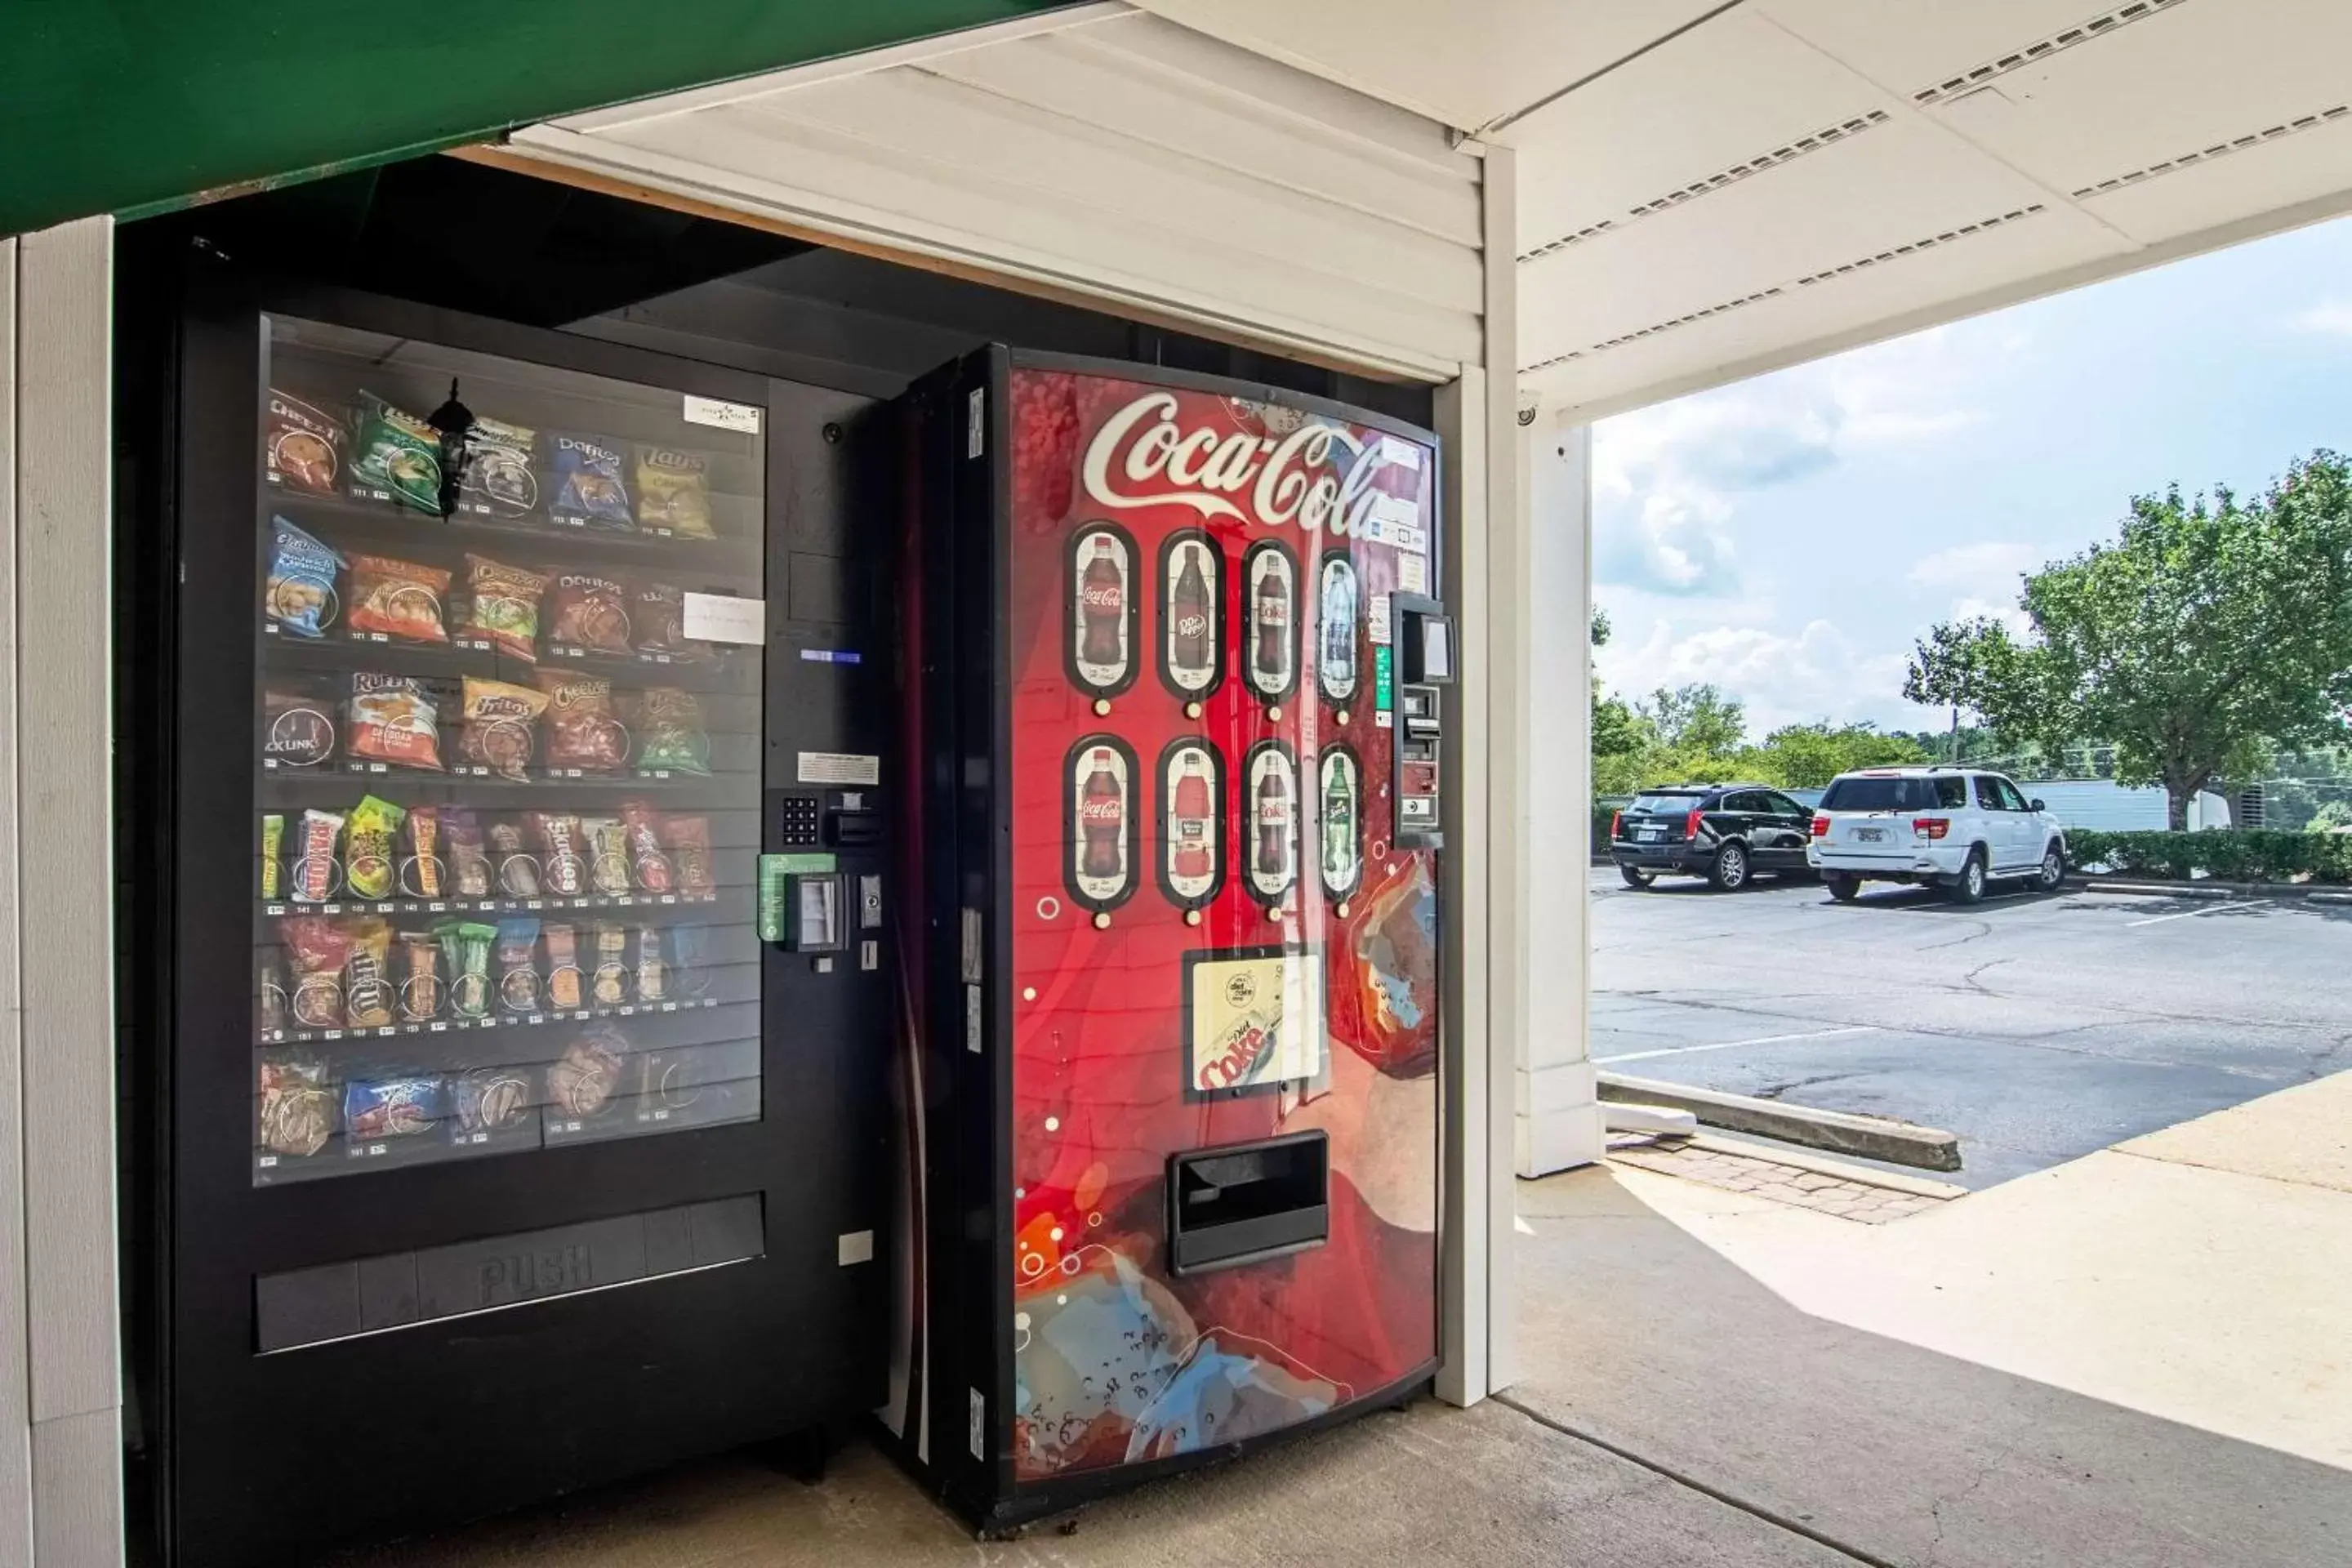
pixel 1818 673
pixel 1983 579
pixel 2332 317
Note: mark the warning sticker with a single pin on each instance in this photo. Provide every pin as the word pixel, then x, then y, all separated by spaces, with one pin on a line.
pixel 839 768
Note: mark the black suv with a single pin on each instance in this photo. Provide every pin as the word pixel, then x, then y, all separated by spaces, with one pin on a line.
pixel 1725 833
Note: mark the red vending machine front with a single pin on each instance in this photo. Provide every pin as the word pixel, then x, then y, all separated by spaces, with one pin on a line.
pixel 1171 1045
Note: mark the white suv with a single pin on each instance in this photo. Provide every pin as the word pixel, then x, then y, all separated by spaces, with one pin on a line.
pixel 1955 827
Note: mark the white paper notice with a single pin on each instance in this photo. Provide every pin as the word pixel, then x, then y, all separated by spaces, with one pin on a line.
pixel 839 768
pixel 721 415
pixel 1393 520
pixel 1404 454
pixel 1412 573
pixel 723 617
pixel 1378 621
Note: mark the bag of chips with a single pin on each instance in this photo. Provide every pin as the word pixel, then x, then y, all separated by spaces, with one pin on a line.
pixel 658 616
pixel 589 489
pixel 392 1107
pixel 398 599
pixel 590 612
pixel 494 474
pixel 305 444
pixel 502 606
pixel 301 594
pixel 298 1109
pixel 499 729
pixel 674 492
pixel 368 867
pixel 301 726
pixel 582 1081
pixel 367 975
pixel 319 950
pixel 689 839
pixel 392 720
pixel 670 734
pixel 398 457
pixel 582 731
pixel 649 863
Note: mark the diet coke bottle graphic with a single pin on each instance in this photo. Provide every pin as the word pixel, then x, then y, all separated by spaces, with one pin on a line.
pixel 1270 626
pixel 1102 821
pixel 1191 638
pixel 1189 858
pixel 1102 608
pixel 1272 828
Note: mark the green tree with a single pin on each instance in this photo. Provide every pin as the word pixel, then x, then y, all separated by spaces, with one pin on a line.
pixel 1807 756
pixel 1616 732
pixel 1958 665
pixel 1697 718
pixel 2203 632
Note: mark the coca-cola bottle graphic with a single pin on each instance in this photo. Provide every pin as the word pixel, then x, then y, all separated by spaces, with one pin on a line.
pixel 1102 608
pixel 1102 820
pixel 1272 826
pixel 1188 853
pixel 1191 638
pixel 1270 615
pixel 1338 655
pixel 1340 826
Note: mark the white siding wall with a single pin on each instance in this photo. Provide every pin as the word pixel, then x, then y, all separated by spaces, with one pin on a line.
pixel 1104 154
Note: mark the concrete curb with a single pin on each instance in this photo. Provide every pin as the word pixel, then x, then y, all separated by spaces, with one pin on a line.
pixel 1829 1165
pixel 1870 1137
pixel 2317 893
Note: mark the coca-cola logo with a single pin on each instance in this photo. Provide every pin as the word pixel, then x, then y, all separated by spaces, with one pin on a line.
pixel 1141 457
pixel 1100 597
pixel 1105 810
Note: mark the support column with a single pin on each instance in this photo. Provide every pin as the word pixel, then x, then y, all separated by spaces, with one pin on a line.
pixel 1558 1120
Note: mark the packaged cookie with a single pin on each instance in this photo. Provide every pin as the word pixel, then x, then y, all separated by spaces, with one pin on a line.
pixel 397 458
pixel 517 957
pixel 589 611
pixel 502 606
pixel 501 725
pixel 398 599
pixel 305 444
pixel 564 992
pixel 589 491
pixel 391 718
pixel 608 975
pixel 494 472
pixel 668 728
pixel 674 492
pixel 583 731
pixel 301 594
pixel 298 1109
pixel 383 1107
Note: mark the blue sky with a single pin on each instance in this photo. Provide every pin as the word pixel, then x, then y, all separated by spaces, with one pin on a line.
pixel 1789 537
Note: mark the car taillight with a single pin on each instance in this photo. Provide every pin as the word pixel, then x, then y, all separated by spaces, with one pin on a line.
pixel 1930 827
pixel 1690 823
pixel 1616 825
pixel 1821 827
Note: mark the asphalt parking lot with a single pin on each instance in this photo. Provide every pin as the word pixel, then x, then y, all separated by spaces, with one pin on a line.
pixel 2039 1029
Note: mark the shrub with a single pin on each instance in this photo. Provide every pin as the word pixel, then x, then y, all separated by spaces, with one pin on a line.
pixel 2231 854
pixel 1605 809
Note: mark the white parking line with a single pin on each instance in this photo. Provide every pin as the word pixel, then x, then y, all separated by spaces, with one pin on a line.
pixel 2209 909
pixel 1735 1045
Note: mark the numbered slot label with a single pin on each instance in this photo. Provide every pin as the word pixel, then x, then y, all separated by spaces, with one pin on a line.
pixel 1270 797
pixel 1104 609
pixel 1102 784
pixel 1270 635
pixel 1192 823
pixel 1191 614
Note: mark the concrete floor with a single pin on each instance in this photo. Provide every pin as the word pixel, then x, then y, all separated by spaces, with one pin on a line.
pixel 1670 1410
pixel 2038 1029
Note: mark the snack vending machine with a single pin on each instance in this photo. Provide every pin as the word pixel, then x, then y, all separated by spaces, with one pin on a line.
pixel 1171 1038
pixel 499 1153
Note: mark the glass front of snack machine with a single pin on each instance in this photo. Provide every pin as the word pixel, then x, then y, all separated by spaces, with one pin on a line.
pixel 507 771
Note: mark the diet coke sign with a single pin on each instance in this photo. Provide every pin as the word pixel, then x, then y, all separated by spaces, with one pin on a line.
pixel 1141 457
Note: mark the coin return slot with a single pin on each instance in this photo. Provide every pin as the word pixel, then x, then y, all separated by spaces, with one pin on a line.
pixel 1248 1202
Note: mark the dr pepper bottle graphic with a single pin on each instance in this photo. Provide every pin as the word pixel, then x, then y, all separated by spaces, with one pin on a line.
pixel 1102 609
pixel 1192 623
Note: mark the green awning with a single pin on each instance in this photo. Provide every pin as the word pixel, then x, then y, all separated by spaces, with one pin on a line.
pixel 140 106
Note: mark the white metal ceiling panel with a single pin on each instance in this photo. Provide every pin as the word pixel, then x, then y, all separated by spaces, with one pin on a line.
pixel 2232 182
pixel 1117 159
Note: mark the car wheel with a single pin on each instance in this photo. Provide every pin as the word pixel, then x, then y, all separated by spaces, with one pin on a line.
pixel 1969 887
pixel 1730 872
pixel 1842 889
pixel 1635 878
pixel 2054 870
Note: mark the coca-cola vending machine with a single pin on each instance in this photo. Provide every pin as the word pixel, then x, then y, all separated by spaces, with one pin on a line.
pixel 1170 1047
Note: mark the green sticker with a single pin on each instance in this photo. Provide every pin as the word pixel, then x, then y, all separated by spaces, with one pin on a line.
pixel 1383 687
pixel 774 870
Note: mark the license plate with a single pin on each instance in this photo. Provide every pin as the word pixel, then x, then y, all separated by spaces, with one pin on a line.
pixel 1870 835
pixel 1650 834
